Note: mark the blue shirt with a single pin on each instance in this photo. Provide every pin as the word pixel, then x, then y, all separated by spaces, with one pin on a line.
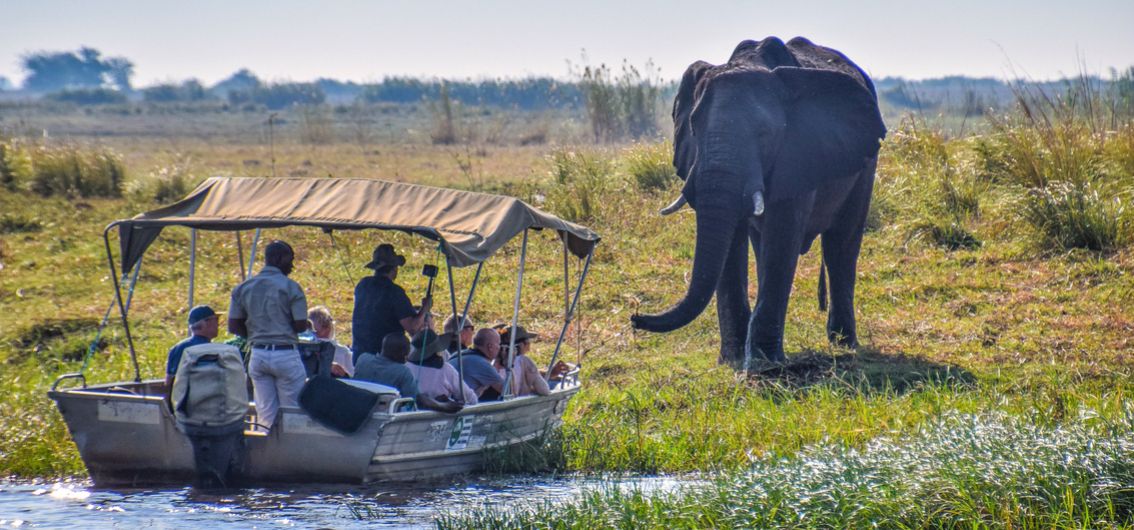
pixel 379 369
pixel 179 348
pixel 379 307
pixel 479 372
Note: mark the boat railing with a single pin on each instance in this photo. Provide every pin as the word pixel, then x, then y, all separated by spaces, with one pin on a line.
pixel 76 375
pixel 400 405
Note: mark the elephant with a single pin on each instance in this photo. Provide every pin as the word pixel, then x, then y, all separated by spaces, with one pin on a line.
pixel 777 147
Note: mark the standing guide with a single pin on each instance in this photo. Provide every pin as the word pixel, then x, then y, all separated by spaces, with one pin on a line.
pixel 270 310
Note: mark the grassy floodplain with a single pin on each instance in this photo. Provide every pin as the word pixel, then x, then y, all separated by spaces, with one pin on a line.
pixel 994 301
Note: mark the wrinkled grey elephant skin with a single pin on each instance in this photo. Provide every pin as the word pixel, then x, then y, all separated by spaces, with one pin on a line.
pixel 797 124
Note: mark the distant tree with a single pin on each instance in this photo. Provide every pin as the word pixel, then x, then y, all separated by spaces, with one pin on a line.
pixel 119 70
pixel 242 80
pixel 187 91
pixel 279 95
pixel 48 71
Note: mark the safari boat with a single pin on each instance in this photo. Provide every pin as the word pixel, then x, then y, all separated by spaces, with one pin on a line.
pixel 127 434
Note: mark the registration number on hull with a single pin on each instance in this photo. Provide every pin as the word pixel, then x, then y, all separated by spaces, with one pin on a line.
pixel 127 412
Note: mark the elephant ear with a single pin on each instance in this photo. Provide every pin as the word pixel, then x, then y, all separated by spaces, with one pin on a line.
pixel 684 150
pixel 833 128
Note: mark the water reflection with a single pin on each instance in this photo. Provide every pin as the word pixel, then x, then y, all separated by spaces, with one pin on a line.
pixel 79 505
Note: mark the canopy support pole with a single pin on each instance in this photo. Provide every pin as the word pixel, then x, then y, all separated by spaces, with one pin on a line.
pixel 566 281
pixel 460 323
pixel 192 264
pixel 106 316
pixel 240 255
pixel 567 320
pixel 465 313
pixel 515 318
pixel 252 252
pixel 121 305
pixel 472 291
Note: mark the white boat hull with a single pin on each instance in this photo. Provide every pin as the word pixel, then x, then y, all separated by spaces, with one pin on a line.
pixel 127 435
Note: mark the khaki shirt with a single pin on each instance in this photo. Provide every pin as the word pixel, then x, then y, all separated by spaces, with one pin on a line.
pixel 269 302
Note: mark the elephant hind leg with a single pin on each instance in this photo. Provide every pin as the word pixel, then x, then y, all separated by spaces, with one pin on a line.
pixel 841 246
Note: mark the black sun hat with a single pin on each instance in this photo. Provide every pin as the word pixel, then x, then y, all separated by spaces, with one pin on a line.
pixel 384 255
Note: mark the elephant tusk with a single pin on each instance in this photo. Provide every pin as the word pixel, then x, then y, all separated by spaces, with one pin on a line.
pixel 758 203
pixel 674 206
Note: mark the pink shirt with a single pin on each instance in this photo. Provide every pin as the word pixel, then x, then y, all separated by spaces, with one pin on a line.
pixel 444 381
pixel 526 378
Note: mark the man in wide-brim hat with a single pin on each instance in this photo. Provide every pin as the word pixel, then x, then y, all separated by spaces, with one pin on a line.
pixel 435 377
pixel 381 306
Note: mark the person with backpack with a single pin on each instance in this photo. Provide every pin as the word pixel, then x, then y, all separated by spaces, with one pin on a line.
pixel 203 328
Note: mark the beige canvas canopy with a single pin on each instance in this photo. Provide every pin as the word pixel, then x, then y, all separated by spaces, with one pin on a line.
pixel 469 226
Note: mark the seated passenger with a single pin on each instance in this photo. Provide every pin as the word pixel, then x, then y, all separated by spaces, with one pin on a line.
pixel 389 368
pixel 463 334
pixel 203 328
pixel 435 377
pixel 478 372
pixel 526 379
pixel 323 325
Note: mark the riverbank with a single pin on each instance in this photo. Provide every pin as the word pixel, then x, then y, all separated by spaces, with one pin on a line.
pixel 966 305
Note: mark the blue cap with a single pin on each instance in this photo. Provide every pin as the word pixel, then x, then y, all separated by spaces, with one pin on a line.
pixel 200 313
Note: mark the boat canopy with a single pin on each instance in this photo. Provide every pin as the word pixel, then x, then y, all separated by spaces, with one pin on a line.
pixel 470 226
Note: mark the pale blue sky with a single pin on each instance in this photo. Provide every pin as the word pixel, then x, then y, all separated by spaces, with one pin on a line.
pixel 367 40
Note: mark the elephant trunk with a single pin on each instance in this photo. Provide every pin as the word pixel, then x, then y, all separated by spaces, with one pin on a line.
pixel 715 227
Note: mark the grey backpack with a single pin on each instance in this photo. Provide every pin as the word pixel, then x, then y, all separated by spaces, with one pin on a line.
pixel 210 388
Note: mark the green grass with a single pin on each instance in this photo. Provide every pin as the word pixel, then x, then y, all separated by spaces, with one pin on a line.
pixel 1012 331
pixel 955 471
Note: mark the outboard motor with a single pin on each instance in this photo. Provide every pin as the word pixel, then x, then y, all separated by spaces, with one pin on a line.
pixel 210 401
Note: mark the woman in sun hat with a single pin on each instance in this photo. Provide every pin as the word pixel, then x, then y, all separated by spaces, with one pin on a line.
pixel 526 378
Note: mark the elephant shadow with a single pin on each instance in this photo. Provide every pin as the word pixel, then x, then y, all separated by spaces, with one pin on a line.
pixel 868 371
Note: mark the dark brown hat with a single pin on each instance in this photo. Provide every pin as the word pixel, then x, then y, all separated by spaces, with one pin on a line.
pixel 384 255
pixel 521 334
pixel 427 343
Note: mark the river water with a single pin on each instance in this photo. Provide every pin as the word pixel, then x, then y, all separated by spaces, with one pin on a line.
pixel 79 505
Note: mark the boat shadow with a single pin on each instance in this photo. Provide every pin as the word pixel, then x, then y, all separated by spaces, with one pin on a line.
pixel 867 371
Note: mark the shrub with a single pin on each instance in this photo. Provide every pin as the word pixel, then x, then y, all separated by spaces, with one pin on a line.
pixel 1034 154
pixel 7 174
pixel 315 125
pixel 579 182
pixel 73 172
pixel 626 106
pixel 651 166
pixel 1071 215
pixel 949 234
pixel 277 96
pixel 188 91
pixel 13 223
pixel 88 96
pixel 444 133
pixel 163 185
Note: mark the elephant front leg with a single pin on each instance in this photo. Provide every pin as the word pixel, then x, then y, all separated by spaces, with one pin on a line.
pixel 733 311
pixel 780 239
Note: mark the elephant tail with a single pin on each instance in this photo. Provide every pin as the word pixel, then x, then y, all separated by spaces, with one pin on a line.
pixel 822 283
